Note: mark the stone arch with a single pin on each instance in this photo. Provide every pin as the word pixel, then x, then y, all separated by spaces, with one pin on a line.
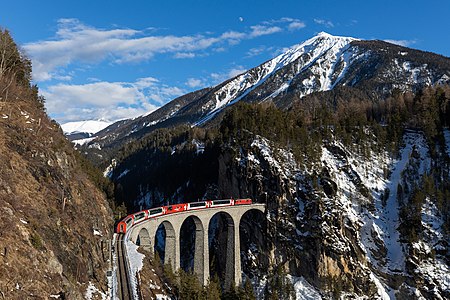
pixel 253 241
pixel 230 248
pixel 143 239
pixel 200 255
pixel 170 244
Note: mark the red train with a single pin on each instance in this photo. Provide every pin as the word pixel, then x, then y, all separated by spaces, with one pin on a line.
pixel 138 217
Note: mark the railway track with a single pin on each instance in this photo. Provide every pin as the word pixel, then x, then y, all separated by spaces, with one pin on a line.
pixel 124 286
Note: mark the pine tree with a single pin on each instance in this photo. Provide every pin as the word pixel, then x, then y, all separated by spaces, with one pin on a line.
pixel 213 291
pixel 15 67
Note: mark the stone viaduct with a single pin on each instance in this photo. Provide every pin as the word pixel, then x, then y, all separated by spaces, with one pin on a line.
pixel 146 232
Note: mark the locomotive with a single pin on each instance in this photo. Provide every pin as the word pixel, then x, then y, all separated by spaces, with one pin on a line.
pixel 136 218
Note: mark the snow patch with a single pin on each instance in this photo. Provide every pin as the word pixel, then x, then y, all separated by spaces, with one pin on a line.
pixel 380 288
pixel 136 263
pixel 81 142
pixel 123 173
pixel 92 291
pixel 303 290
pixel 109 170
pixel 324 52
pixel 199 145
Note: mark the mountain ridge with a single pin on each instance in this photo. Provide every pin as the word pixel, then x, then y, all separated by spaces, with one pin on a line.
pixel 320 64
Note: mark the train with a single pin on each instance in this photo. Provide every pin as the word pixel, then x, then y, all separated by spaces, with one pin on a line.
pixel 136 218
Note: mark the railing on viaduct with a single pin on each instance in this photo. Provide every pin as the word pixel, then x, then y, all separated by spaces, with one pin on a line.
pixel 146 232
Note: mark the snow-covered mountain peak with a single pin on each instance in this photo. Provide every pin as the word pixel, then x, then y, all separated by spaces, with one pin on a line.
pixel 324 54
pixel 324 62
pixel 90 126
pixel 316 45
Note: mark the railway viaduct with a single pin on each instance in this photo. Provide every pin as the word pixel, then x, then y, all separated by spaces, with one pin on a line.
pixel 146 232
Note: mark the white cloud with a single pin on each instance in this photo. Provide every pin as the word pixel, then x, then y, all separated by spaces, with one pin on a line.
pixel 108 100
pixel 323 22
pixel 236 71
pixel 256 51
pixel 295 25
pixel 259 30
pixel 217 78
pixel 184 55
pixel 404 43
pixel 75 42
pixel 194 83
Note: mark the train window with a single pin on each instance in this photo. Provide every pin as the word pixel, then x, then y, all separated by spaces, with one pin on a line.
pixel 220 202
pixel 169 208
pixel 139 216
pixel 129 221
pixel 197 204
pixel 155 211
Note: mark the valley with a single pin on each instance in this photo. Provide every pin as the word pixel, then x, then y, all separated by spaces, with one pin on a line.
pixel 321 173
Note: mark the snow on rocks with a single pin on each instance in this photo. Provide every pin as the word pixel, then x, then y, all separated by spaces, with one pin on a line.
pixel 303 290
pixel 92 291
pixel 110 169
pixel 97 232
pixel 382 294
pixel 81 142
pixel 279 159
pixel 325 55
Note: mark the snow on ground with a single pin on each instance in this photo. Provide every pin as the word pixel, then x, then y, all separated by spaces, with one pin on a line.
pixel 81 142
pixel 385 221
pixel 135 260
pixel 112 281
pixel 303 290
pixel 381 289
pixel 379 227
pixel 281 160
pixel 200 146
pixel 434 270
pixel 319 50
pixel 91 291
pixel 437 272
pixel 110 169
pixel 125 172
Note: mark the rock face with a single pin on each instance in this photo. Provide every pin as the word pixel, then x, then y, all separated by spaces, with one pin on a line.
pixel 330 221
pixel 54 222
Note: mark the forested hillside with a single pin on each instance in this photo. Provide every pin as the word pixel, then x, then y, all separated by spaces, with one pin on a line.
pixel 357 190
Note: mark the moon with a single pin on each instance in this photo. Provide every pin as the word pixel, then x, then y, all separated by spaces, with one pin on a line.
pixel 241 19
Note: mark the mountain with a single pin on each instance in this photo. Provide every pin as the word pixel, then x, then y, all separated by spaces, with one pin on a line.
pixel 54 218
pixel 345 141
pixel 357 199
pixel 83 129
pixel 369 69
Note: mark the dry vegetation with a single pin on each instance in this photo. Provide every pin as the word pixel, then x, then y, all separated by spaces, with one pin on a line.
pixel 49 207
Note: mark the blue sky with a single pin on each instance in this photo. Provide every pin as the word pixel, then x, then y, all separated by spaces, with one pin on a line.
pixel 120 59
